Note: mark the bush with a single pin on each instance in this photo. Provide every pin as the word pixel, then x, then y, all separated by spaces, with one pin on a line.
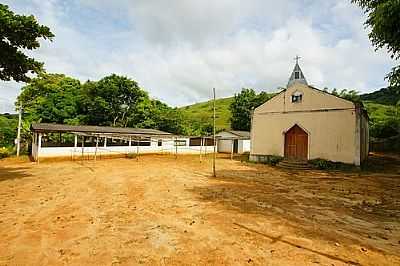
pixel 274 159
pixel 4 153
pixel 323 164
pixel 131 155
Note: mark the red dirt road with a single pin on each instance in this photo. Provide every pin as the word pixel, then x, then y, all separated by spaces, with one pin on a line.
pixel 162 211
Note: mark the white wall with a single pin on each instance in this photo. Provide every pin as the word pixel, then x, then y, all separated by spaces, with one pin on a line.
pixel 244 146
pixel 224 145
pixel 167 147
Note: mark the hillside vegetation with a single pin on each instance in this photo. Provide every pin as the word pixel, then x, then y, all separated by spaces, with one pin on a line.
pixel 203 112
pixel 387 96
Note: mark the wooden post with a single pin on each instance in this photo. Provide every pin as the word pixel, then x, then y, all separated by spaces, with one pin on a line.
pixel 232 149
pixel 39 146
pixel 137 149
pixel 214 156
pixel 201 146
pixel 176 148
pixel 83 141
pixel 19 131
pixel 95 151
pixel 75 146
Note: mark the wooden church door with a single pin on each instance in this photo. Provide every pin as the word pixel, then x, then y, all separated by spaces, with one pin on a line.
pixel 296 144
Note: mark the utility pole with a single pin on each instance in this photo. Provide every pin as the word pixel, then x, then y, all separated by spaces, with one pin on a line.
pixel 214 156
pixel 19 131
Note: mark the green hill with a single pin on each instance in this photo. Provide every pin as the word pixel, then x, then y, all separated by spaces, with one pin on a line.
pixel 388 96
pixel 203 112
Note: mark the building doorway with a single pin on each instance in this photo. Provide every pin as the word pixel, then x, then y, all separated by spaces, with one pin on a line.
pixel 235 146
pixel 296 144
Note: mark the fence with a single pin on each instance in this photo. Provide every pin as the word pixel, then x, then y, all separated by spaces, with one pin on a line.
pixel 385 145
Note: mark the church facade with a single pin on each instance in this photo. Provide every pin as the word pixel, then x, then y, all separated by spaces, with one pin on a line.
pixel 303 123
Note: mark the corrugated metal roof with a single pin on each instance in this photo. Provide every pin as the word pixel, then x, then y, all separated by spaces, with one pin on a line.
pixel 48 127
pixel 243 134
pixel 237 134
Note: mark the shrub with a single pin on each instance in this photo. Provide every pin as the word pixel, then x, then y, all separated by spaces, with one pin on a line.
pixel 323 164
pixel 274 159
pixel 131 155
pixel 4 153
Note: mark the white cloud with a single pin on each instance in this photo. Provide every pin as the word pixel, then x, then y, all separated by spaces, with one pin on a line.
pixel 179 50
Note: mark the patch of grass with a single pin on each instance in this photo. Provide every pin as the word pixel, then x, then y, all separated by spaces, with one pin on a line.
pixel 131 155
pixel 203 112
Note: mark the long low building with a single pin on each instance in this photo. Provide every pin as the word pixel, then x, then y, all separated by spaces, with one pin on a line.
pixel 58 140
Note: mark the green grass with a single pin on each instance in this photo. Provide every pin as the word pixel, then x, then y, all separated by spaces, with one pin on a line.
pixel 203 112
pixel 379 112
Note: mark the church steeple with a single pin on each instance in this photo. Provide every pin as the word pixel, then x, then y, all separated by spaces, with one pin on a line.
pixel 297 75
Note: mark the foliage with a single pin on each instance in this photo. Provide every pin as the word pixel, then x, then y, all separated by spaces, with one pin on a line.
pixel 351 95
pixel 131 155
pixel 8 130
pixel 384 120
pixel 4 152
pixel 323 164
pixel 18 33
pixel 243 105
pixel 274 159
pixel 113 101
pixel 51 98
pixel 388 96
pixel 202 113
pixel 383 20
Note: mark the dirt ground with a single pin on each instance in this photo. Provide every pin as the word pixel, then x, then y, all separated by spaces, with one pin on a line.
pixel 162 211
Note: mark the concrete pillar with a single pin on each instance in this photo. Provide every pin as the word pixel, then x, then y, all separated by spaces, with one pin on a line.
pixel 105 142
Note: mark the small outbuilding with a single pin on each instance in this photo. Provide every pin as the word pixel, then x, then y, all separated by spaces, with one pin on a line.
pixel 303 123
pixel 233 141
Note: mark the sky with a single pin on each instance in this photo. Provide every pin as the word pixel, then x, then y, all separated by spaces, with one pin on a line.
pixel 178 50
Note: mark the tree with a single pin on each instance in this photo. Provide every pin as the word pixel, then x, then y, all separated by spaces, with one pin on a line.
pixel 243 105
pixel 19 32
pixel 383 19
pixel 8 132
pixel 351 95
pixel 51 98
pixel 113 101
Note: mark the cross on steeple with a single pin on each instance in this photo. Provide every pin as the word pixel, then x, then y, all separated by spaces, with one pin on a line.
pixel 297 75
pixel 297 59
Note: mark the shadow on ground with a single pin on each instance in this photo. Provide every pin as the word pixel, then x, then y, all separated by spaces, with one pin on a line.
pixel 13 173
pixel 352 208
